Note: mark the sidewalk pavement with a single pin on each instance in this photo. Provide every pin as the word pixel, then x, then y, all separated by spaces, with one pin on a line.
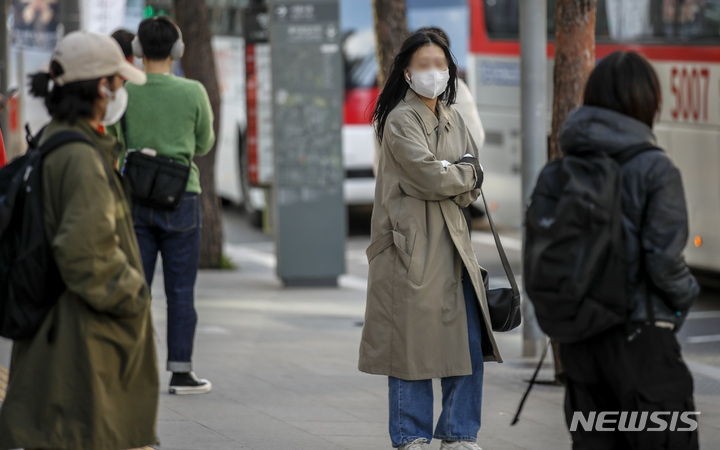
pixel 283 363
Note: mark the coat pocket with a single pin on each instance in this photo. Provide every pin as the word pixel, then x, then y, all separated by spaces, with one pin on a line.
pixel 404 248
pixel 411 253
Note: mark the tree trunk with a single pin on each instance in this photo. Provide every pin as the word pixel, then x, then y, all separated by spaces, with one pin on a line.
pixel 198 63
pixel 574 60
pixel 390 32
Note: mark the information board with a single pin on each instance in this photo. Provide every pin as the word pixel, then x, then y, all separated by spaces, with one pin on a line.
pixel 307 123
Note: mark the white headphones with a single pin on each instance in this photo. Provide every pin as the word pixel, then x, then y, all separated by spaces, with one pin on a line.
pixel 178 48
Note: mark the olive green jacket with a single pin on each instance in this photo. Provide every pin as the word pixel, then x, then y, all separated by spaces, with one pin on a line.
pixel 89 378
pixel 415 320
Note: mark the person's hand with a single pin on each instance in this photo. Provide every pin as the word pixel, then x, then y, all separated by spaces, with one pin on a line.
pixel 469 159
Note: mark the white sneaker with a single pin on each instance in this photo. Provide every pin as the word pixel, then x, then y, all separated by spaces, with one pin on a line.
pixel 459 445
pixel 417 444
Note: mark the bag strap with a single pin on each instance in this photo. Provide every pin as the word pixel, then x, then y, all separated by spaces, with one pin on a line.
pixel 501 250
pixel 61 138
pixel 627 155
pixel 123 125
pixel 30 138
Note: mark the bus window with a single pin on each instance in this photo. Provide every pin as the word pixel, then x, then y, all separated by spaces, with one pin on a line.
pixel 358 44
pixel 502 19
pixel 624 21
pixel 360 60
pixel 696 20
pixel 671 21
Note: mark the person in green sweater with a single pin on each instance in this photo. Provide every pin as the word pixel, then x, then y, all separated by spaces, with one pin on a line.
pixel 170 117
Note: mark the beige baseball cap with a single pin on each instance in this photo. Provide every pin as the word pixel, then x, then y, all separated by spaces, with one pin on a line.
pixel 85 55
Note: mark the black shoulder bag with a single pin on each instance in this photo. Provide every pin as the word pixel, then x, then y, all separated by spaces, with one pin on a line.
pixel 504 303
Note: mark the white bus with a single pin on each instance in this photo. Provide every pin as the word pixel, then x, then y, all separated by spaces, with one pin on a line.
pixel 682 41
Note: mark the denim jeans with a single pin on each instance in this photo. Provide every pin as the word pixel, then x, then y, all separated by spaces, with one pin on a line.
pixel 411 402
pixel 176 236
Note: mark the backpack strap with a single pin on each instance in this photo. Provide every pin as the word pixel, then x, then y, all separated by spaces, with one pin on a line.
pixel 628 154
pixel 61 138
pixel 123 125
pixel 631 152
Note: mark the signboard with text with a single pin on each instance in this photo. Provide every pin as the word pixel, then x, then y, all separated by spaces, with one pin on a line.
pixel 307 120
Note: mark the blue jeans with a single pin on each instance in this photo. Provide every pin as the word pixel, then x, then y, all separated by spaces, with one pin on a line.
pixel 176 235
pixel 411 402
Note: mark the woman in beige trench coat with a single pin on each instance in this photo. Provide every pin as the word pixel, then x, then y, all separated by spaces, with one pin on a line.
pixel 427 314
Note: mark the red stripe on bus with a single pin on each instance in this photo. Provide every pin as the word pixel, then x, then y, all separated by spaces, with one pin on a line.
pixel 480 43
pixel 252 125
pixel 359 105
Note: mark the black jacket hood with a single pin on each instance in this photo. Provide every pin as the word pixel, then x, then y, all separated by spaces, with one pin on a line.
pixel 592 129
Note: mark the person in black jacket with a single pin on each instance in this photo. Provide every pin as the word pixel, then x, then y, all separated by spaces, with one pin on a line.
pixel 640 367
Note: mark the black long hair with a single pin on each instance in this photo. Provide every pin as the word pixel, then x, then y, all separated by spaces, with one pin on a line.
pixel 396 86
pixel 68 102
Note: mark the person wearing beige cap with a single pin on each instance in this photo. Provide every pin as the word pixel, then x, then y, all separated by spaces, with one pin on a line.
pixel 88 379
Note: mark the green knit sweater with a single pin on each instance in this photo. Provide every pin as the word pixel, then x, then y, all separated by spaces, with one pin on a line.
pixel 171 115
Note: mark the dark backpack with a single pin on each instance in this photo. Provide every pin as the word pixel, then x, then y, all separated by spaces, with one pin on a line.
pixel 574 264
pixel 30 283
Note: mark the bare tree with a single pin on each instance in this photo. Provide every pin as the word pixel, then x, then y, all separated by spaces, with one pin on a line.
pixel 198 63
pixel 574 60
pixel 391 30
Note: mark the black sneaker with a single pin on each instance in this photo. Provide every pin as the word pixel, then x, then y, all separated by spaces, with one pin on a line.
pixel 183 383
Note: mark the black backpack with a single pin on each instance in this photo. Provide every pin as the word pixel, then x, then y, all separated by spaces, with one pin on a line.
pixel 574 264
pixel 30 283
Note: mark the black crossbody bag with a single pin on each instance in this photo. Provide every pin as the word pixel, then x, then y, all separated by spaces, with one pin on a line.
pixel 154 181
pixel 504 303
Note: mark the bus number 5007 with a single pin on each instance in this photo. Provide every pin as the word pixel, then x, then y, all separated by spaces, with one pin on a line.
pixel 690 88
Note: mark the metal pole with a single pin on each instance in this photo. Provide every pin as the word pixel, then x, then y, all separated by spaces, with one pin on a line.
pixel 4 58
pixel 533 123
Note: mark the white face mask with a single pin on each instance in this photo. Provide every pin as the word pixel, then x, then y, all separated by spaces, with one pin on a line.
pixel 428 83
pixel 116 106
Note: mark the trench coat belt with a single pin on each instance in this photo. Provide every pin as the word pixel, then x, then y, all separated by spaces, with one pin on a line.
pixel 383 242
